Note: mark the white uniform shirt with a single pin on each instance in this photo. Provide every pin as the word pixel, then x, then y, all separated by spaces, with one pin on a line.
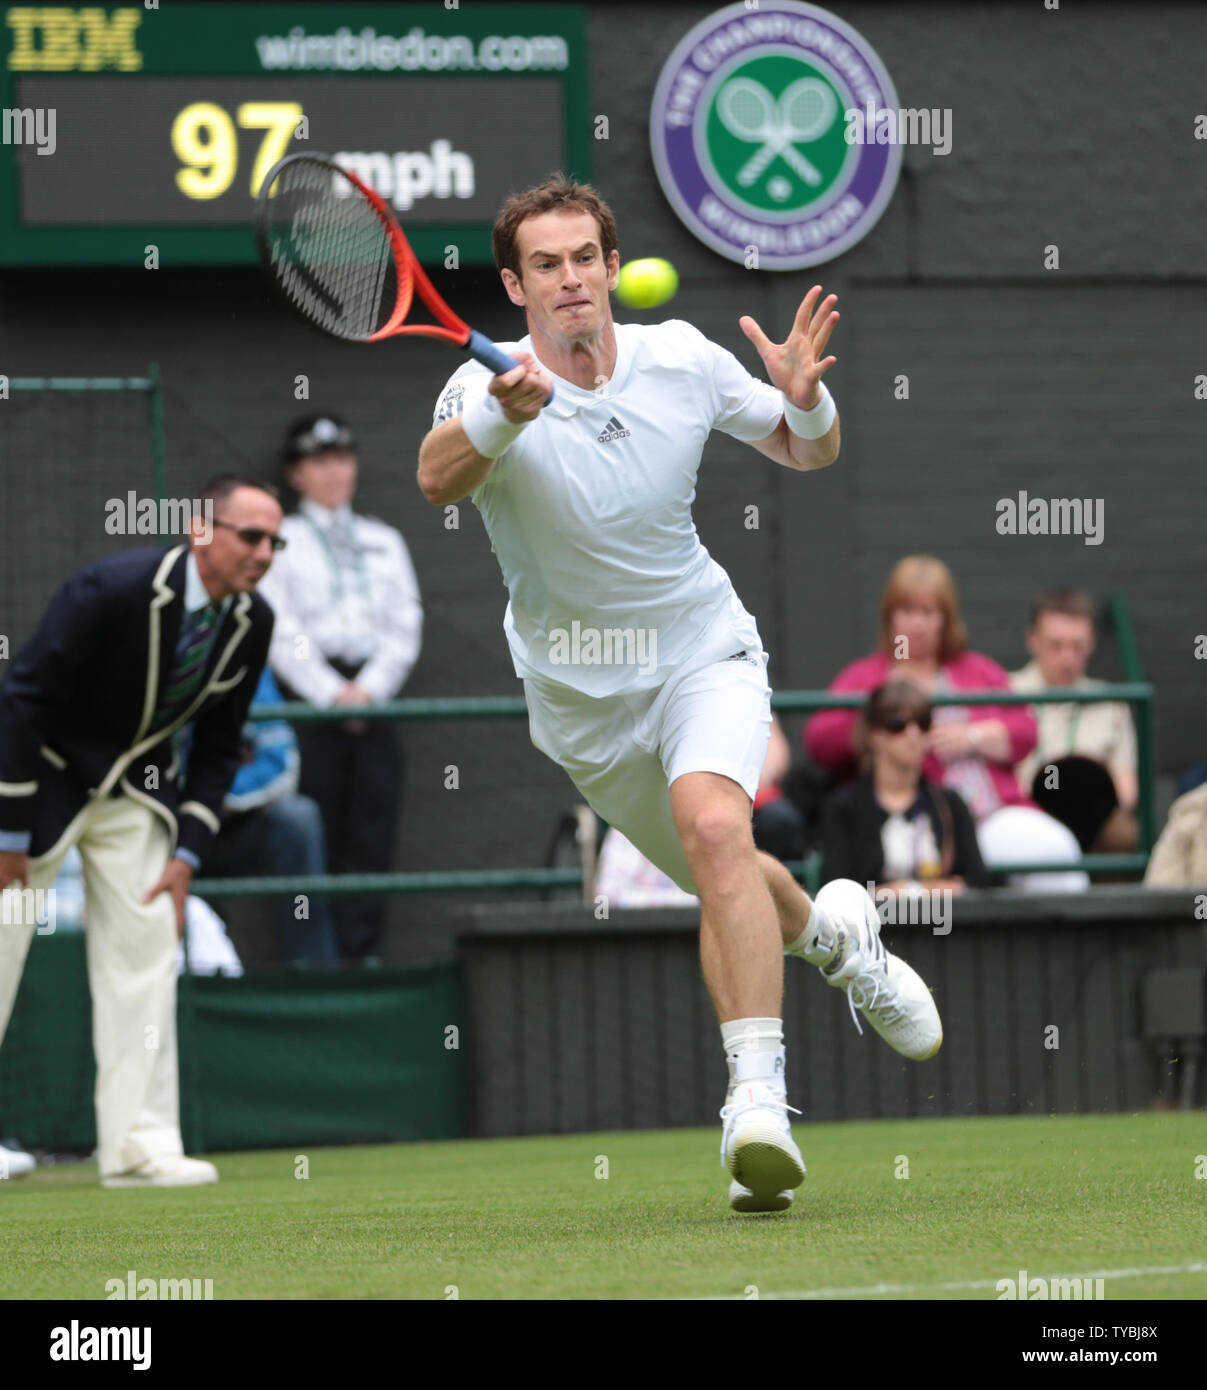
pixel 589 512
pixel 366 608
pixel 196 595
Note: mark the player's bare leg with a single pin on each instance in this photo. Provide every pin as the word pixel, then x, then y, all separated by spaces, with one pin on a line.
pixel 741 953
pixel 793 905
pixel 741 950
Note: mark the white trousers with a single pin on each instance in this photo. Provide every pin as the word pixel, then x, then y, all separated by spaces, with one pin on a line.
pixel 131 950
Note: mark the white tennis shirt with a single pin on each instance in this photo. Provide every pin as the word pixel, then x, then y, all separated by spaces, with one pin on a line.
pixel 589 512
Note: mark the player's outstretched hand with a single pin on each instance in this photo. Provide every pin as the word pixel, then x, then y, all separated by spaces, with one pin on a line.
pixel 523 391
pixel 796 366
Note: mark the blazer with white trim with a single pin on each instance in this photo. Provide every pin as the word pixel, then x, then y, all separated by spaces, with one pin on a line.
pixel 81 695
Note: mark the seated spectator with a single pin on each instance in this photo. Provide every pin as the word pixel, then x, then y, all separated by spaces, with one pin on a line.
pixel 971 748
pixel 893 827
pixel 1194 776
pixel 269 829
pixel 779 827
pixel 1179 858
pixel 1083 767
pixel 626 878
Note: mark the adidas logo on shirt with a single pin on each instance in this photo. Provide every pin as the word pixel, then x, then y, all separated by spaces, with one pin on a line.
pixel 613 430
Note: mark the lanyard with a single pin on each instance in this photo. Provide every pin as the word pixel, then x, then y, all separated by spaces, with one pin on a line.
pixel 1044 716
pixel 337 578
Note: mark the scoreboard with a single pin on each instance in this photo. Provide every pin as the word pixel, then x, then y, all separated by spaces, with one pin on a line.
pixel 125 127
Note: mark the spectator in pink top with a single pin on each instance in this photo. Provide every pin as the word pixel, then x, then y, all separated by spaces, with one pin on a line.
pixel 971 748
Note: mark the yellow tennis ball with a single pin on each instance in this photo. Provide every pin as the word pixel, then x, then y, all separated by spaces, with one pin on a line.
pixel 647 283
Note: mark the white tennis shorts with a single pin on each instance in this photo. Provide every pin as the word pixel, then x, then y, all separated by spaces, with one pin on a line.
pixel 623 752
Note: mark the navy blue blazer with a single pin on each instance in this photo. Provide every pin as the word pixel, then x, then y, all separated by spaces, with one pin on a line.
pixel 82 692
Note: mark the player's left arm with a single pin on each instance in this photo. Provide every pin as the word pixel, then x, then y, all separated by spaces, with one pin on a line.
pixel 796 367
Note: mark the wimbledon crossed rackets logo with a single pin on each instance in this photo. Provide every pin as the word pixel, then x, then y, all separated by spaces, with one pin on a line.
pixel 770 130
pixel 804 112
pixel 748 134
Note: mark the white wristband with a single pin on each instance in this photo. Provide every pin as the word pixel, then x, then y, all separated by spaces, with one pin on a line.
pixel 811 424
pixel 487 428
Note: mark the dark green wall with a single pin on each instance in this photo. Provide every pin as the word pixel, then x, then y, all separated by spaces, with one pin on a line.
pixel 1077 382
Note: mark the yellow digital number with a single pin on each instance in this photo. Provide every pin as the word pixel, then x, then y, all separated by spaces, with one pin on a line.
pixel 280 119
pixel 203 137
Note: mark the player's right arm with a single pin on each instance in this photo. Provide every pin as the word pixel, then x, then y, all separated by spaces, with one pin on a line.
pixel 456 456
pixel 450 468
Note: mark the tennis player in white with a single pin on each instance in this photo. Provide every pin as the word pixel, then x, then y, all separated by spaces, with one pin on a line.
pixel 644 675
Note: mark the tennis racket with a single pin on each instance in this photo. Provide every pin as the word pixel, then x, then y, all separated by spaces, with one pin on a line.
pixel 337 253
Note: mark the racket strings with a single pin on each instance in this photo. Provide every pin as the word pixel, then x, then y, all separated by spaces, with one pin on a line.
pixel 331 253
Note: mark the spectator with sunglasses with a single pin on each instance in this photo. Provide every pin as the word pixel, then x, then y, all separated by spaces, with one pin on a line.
pixel 894 827
pixel 349 623
pixel 971 749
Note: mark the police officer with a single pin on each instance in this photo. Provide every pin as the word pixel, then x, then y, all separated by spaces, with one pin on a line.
pixel 348 629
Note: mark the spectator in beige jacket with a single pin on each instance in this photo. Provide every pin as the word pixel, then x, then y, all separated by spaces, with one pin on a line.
pixel 1083 768
pixel 1179 858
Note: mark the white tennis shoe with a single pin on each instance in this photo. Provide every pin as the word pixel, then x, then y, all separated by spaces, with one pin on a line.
pixel 14 1161
pixel 171 1171
pixel 891 996
pixel 758 1149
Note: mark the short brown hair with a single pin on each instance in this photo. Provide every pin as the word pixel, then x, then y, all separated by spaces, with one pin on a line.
pixel 1073 603
pixel 557 194
pixel 917 575
pixel 899 697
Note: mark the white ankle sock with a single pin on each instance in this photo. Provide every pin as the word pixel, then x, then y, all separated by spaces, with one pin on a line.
pixel 817 943
pixel 754 1050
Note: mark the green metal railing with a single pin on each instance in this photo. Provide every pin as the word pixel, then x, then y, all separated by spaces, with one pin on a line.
pixel 1146 751
pixel 1138 693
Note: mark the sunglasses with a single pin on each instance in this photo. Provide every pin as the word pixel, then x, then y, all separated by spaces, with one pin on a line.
pixel 895 724
pixel 252 535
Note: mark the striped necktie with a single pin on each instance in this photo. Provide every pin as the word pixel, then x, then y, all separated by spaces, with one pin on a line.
pixel 188 667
